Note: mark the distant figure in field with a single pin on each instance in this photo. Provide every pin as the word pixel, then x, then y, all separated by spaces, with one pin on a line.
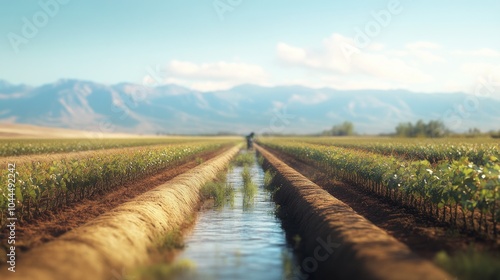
pixel 250 140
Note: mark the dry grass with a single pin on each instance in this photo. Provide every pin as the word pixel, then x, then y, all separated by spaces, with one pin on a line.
pixel 12 130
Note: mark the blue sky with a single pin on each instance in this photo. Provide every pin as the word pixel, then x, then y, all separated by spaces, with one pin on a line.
pixel 428 46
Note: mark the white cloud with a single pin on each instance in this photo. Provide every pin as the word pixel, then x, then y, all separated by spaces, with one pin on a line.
pixel 423 51
pixel 454 86
pixel 392 69
pixel 481 76
pixel 183 68
pixel 427 56
pixel 485 52
pixel 335 62
pixel 480 69
pixel 376 47
pixel 339 56
pixel 330 58
pixel 213 76
pixel 291 54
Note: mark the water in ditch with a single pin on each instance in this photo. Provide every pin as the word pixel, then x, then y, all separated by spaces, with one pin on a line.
pixel 240 241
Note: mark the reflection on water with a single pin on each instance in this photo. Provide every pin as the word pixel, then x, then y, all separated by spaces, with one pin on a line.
pixel 245 241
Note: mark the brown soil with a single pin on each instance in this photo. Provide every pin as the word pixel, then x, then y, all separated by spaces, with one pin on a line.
pixel 30 234
pixel 424 236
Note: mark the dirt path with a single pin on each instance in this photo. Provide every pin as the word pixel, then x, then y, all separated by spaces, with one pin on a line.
pixel 49 226
pixel 425 237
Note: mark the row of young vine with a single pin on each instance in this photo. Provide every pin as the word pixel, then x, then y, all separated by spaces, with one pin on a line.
pixel 458 192
pixel 44 185
pixel 19 147
pixel 432 152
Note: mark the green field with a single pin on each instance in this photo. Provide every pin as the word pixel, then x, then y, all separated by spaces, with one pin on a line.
pixel 44 181
pixel 452 180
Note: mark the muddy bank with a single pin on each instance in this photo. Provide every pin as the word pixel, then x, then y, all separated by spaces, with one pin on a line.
pixel 339 243
pixel 120 238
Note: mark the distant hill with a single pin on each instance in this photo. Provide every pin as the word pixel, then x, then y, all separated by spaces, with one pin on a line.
pixel 172 109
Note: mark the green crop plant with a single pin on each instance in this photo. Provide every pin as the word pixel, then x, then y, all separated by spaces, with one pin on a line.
pixel 458 191
pixel 249 188
pixel 46 183
pixel 18 147
pixel 221 192
pixel 246 175
pixel 244 158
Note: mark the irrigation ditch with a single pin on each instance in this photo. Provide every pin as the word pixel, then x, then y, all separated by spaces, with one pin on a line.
pixel 258 226
pixel 240 237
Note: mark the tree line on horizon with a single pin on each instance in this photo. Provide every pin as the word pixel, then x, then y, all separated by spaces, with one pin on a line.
pixel 431 129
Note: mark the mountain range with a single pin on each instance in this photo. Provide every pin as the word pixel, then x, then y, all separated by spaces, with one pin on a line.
pixel 172 109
